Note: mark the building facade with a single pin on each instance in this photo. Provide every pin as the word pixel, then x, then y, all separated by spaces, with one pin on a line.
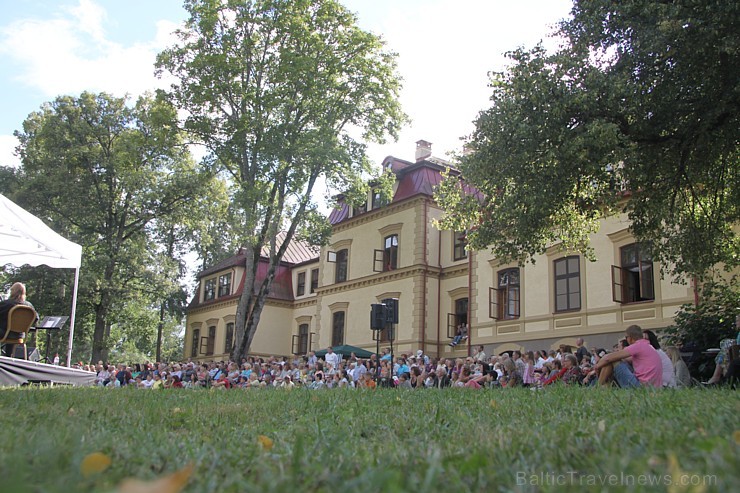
pixel 392 251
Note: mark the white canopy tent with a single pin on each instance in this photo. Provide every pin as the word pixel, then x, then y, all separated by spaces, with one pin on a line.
pixel 26 240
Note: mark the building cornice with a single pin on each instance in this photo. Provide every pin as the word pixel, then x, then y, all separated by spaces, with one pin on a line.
pixel 384 211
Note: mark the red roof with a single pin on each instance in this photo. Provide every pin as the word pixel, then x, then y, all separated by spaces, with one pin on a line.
pixel 297 251
pixel 417 179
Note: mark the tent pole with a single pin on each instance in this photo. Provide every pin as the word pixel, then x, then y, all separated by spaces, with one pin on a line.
pixel 72 318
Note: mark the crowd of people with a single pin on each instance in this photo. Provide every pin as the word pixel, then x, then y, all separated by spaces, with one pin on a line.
pixel 637 360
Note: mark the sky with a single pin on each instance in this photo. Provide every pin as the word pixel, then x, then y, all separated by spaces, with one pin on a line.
pixel 446 48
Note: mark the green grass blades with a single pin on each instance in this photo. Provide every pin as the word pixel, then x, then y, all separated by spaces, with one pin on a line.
pixel 371 441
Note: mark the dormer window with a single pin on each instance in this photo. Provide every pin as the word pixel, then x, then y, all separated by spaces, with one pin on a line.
pixel 209 290
pixel 378 200
pixel 224 285
pixel 301 286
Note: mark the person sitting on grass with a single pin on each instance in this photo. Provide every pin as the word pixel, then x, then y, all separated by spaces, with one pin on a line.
pixel 222 382
pixel 104 376
pixel 680 369
pixel 722 360
pixel 158 384
pixel 556 372
pixel 318 382
pixel 404 381
pixel 572 373
pixel 147 384
pixel 366 382
pixel 645 369
pixel 287 383
pixel 669 378
pixel 512 376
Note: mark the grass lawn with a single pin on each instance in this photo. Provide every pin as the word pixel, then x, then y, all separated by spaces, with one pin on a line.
pixel 426 441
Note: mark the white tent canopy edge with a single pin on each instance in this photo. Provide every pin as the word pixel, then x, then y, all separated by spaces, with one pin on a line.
pixel 26 240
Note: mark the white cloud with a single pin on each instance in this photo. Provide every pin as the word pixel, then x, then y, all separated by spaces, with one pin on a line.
pixel 71 54
pixel 90 17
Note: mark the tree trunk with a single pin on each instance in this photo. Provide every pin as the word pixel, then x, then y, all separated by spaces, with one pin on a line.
pixel 160 329
pixel 98 346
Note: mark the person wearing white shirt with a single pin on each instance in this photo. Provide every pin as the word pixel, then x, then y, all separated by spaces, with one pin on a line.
pixel 332 358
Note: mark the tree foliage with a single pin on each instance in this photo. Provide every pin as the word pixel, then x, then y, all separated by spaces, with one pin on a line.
pixel 104 174
pixel 275 89
pixel 702 326
pixel 637 111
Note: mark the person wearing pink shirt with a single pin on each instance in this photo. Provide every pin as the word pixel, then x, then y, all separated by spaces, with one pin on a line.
pixel 646 368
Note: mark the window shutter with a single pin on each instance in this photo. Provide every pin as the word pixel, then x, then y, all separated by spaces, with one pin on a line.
pixel 617 284
pixel 647 285
pixel 493 306
pixel 451 325
pixel 295 344
pixel 378 257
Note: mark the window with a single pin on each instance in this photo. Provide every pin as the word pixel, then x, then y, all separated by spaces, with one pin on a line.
pixel 337 329
pixel 458 246
pixel 224 285
pixel 378 200
pixel 209 292
pixel 340 274
pixel 567 284
pixel 301 343
pixel 229 343
pixel 210 340
pixel 301 288
pixel 458 319
pixel 314 280
pixel 387 259
pixel 360 209
pixel 633 280
pixel 504 299
pixel 390 253
pixel 194 343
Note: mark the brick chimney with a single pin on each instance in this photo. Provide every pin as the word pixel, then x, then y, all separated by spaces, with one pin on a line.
pixel 423 150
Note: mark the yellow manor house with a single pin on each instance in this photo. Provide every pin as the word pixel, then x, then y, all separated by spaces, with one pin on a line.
pixel 392 251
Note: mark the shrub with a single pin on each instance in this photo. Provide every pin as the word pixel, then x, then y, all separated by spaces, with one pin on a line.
pixel 699 327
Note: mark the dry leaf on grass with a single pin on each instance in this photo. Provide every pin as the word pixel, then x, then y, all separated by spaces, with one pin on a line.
pixel 94 463
pixel 266 442
pixel 172 483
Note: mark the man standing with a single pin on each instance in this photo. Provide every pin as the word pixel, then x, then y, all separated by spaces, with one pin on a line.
pixel 581 352
pixel 646 368
pixel 312 359
pixel 480 355
pixel 331 358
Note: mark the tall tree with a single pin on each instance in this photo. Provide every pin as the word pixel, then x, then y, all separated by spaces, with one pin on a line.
pixel 275 89
pixel 101 172
pixel 638 111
